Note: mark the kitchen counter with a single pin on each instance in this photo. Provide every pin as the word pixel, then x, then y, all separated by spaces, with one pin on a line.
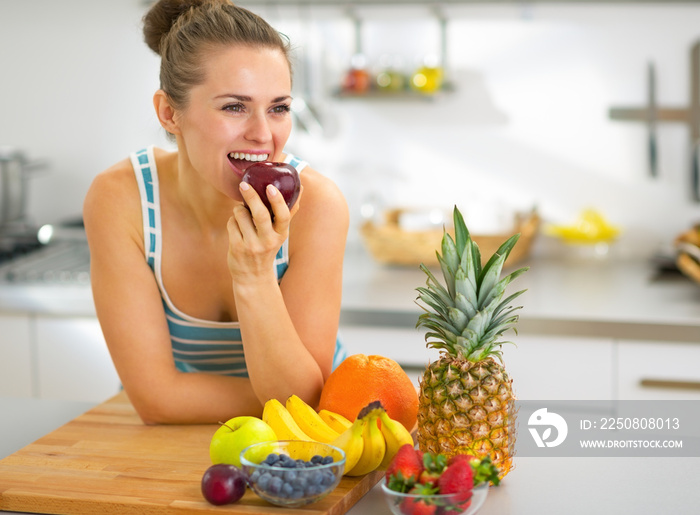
pixel 542 486
pixel 609 299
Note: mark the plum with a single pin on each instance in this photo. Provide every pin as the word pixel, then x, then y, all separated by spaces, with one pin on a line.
pixel 223 484
pixel 282 176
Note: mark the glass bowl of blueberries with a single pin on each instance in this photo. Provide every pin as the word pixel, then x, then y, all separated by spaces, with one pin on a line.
pixel 292 473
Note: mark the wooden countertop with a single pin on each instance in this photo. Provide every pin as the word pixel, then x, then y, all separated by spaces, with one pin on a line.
pixel 107 461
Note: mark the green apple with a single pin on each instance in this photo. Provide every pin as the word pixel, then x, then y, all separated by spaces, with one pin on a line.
pixel 235 435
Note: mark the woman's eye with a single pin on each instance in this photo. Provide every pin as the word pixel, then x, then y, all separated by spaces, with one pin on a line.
pixel 284 108
pixel 234 108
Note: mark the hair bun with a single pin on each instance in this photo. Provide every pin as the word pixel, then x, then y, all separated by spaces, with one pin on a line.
pixel 162 16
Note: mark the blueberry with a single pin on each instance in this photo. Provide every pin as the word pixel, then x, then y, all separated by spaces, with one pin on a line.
pixel 297 494
pixel 299 482
pixel 286 490
pixel 301 464
pixel 326 460
pixel 316 459
pixel 289 475
pixel 255 475
pixel 328 478
pixel 316 477
pixel 271 459
pixel 264 480
pixel 275 486
pixel 313 490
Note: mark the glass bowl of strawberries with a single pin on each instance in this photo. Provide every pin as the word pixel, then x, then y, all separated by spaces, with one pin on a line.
pixel 418 483
pixel 436 504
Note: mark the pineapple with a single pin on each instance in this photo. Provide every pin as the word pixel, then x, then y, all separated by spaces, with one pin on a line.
pixel 467 404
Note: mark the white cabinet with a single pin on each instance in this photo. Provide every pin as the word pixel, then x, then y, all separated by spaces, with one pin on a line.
pixel 73 360
pixel 16 375
pixel 658 370
pixel 560 368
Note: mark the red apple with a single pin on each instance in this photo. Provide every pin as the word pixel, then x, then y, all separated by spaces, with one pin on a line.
pixel 223 484
pixel 282 176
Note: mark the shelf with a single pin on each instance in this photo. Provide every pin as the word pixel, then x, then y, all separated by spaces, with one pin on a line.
pixel 403 95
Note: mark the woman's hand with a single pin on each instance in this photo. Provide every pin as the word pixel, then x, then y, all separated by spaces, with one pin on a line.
pixel 254 236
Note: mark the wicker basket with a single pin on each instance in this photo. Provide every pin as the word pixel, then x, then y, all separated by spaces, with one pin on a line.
pixel 389 244
pixel 688 257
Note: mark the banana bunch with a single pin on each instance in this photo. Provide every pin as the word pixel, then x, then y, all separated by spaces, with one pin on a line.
pixel 370 442
pixel 382 438
pixel 309 421
pixel 281 421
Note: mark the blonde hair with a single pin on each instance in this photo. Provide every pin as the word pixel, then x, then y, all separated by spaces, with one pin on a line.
pixel 181 31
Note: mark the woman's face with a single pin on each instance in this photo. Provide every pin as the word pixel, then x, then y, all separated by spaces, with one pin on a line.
pixel 240 114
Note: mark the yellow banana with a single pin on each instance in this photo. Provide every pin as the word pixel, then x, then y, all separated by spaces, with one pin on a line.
pixel 309 421
pixel 352 443
pixel 374 448
pixel 335 420
pixel 282 422
pixel 395 434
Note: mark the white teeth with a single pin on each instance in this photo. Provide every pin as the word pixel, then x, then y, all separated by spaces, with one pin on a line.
pixel 248 157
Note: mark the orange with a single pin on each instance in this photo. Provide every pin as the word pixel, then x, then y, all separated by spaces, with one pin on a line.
pixel 361 379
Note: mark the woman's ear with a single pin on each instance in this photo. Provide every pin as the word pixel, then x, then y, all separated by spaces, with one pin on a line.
pixel 165 112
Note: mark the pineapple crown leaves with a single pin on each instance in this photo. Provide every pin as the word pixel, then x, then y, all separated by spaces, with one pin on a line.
pixel 467 317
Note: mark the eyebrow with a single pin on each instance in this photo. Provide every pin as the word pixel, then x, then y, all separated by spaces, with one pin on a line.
pixel 246 98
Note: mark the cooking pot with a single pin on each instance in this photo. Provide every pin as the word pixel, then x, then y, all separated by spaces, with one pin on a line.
pixel 14 174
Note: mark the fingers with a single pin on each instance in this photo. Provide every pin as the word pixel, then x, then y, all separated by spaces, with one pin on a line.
pixel 255 205
pixel 279 208
pixel 259 212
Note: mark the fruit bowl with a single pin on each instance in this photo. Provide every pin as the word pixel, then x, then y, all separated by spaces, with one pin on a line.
pixel 448 504
pixel 300 473
pixel 389 243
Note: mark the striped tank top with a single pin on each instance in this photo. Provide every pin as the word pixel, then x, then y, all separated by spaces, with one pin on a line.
pixel 198 345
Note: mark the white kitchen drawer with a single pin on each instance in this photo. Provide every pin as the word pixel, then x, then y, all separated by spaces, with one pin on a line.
pixel 73 360
pixel 15 356
pixel 658 370
pixel 560 368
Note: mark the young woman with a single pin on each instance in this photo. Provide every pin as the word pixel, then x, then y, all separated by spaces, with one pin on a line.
pixel 210 308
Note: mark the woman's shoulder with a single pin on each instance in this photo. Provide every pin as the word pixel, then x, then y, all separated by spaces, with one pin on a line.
pixel 119 180
pixel 115 183
pixel 323 210
pixel 113 198
pixel 320 192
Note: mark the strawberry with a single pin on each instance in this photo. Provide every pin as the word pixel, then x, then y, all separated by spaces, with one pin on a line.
pixel 433 466
pixel 484 469
pixel 419 505
pixel 405 469
pixel 457 479
pixel 468 458
pixel 416 506
pixel 428 477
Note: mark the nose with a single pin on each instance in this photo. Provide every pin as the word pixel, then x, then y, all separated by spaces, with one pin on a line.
pixel 258 128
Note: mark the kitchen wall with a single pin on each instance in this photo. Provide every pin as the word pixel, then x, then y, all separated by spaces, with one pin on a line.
pixel 527 124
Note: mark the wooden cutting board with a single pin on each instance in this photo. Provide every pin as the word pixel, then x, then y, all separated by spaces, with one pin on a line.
pixel 107 461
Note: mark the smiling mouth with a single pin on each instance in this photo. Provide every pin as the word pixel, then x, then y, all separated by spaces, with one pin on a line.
pixel 242 161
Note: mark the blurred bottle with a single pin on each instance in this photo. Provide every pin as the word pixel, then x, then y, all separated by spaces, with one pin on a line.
pixel 389 77
pixel 427 79
pixel 357 79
